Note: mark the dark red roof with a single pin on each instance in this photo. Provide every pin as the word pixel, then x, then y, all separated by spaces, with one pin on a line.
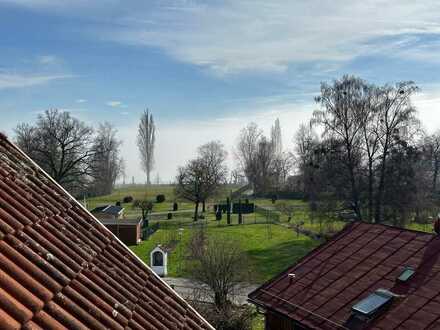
pixel 356 262
pixel 61 269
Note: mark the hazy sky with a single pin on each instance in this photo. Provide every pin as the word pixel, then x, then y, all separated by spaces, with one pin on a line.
pixel 206 68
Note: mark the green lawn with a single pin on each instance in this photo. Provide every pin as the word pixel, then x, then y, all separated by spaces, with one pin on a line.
pixel 147 192
pixel 301 213
pixel 428 227
pixel 270 248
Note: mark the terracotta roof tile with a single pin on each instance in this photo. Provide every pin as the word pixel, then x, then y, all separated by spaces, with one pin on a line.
pixel 355 263
pixel 61 269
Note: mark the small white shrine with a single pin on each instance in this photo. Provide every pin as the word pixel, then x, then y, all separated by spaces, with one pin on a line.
pixel 159 261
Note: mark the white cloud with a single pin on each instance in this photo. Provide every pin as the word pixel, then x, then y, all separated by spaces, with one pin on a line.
pixel 427 103
pixel 241 35
pixel 266 36
pixel 114 104
pixel 81 101
pixel 13 80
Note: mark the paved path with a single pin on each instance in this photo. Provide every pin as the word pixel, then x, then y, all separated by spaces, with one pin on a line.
pixel 189 289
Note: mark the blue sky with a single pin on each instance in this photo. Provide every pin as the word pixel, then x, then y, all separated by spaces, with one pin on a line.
pixel 206 68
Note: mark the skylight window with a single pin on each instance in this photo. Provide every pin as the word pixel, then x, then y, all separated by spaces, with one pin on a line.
pixel 373 303
pixel 406 274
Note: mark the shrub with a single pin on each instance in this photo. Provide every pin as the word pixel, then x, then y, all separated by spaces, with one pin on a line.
pixel 118 203
pixel 175 206
pixel 142 204
pixel 127 199
pixel 231 318
pixel 169 216
pixel 160 198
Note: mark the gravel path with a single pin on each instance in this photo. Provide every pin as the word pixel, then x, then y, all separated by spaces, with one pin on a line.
pixel 189 289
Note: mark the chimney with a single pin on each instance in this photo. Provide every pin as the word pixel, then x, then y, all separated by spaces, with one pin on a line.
pixel 291 277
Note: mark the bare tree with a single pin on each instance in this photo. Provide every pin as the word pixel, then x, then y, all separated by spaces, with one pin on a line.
pixel 201 178
pixel 145 206
pixel 275 137
pixel 106 163
pixel 221 266
pixel 343 106
pixel 61 145
pixel 213 156
pixel 146 141
pixel 305 141
pixel 190 183
pixel 396 113
pixel 247 148
pixel 263 167
pixel 432 148
pixel 283 164
pixel 373 132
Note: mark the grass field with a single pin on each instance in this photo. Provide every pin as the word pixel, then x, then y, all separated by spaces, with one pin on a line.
pixel 301 214
pixel 143 192
pixel 270 248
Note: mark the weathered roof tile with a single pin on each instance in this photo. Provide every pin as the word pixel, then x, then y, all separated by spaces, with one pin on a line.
pixel 356 262
pixel 61 269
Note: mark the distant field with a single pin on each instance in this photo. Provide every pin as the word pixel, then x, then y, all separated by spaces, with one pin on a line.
pixel 144 192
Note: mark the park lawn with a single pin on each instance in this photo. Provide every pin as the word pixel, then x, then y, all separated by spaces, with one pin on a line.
pixel 301 213
pixel 269 248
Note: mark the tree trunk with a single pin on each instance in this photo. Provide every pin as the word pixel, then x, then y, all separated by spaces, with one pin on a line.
pixel 196 211
pixel 379 196
pixel 354 192
pixel 148 177
pixel 435 175
pixel 240 216
pixel 370 190
pixel 220 299
pixel 203 206
pixel 228 214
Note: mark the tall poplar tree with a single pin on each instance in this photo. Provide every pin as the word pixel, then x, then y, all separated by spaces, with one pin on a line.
pixel 145 141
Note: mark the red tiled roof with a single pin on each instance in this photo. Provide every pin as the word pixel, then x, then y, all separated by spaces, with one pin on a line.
pixel 356 262
pixel 61 269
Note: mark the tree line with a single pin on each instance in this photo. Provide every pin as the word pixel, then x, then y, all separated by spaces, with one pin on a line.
pixel 77 156
pixel 372 155
pixel 83 159
pixel 363 150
